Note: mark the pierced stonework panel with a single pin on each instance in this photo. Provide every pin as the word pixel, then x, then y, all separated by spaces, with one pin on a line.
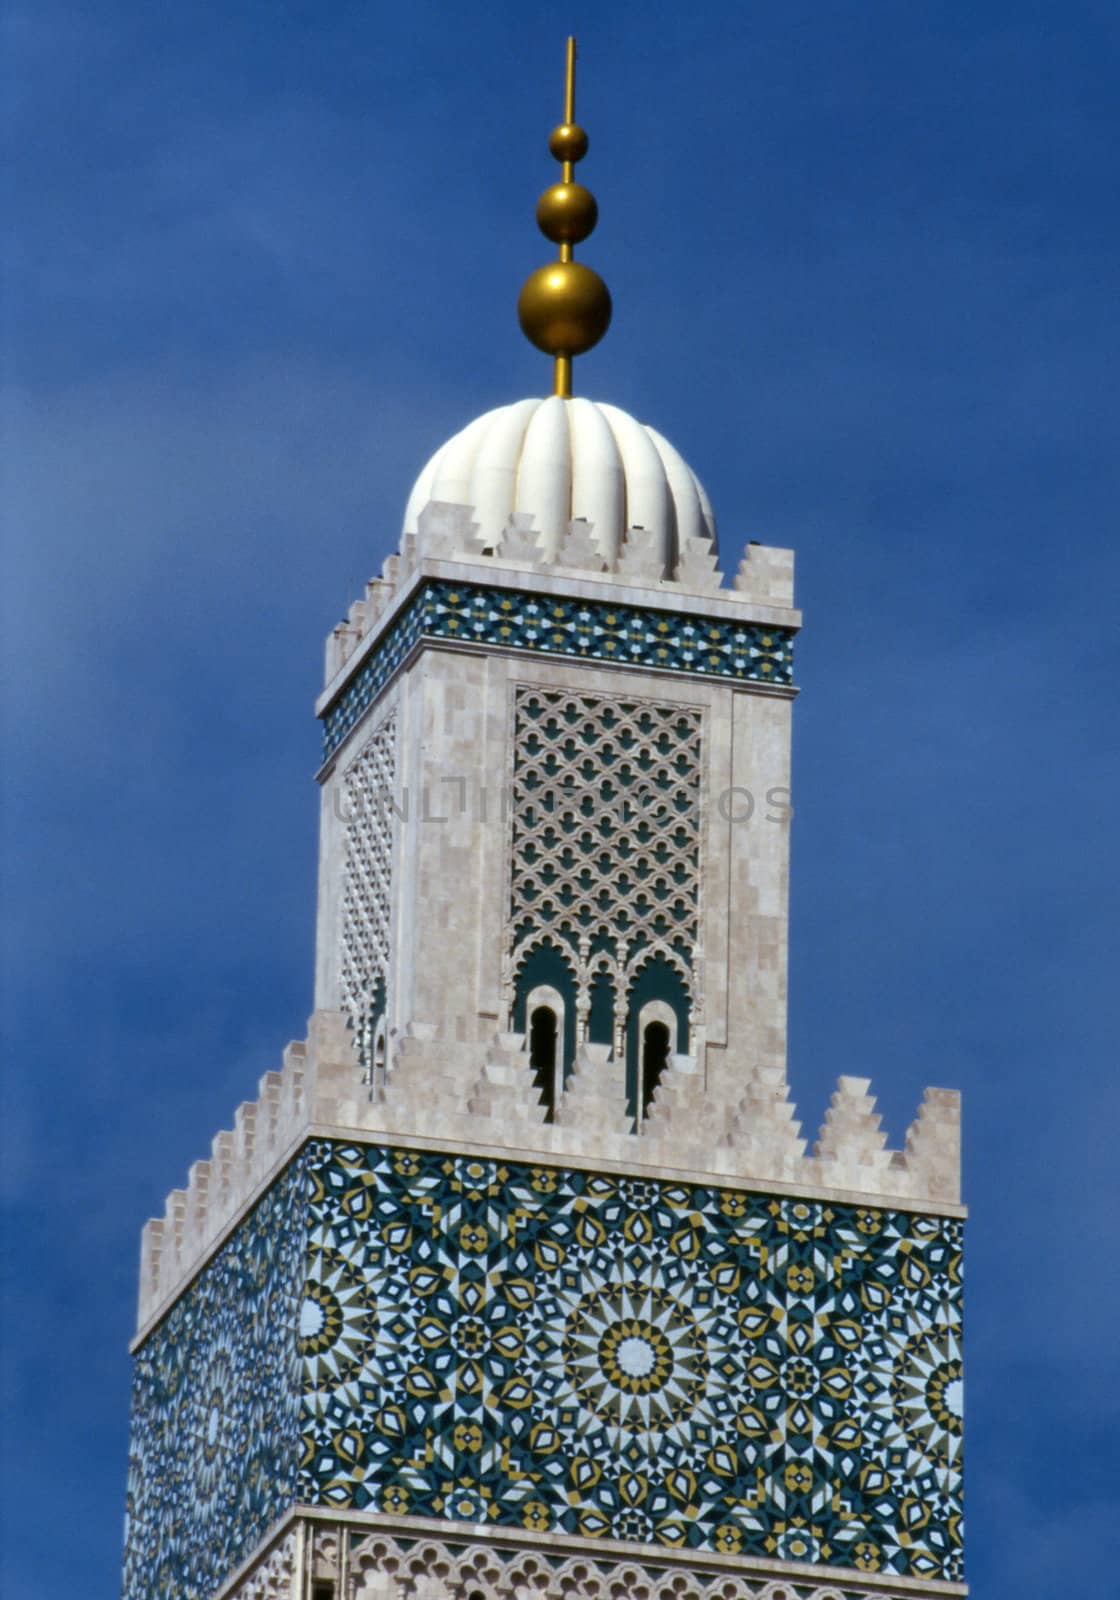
pixel 384 1567
pixel 605 850
pixel 277 1575
pixel 368 792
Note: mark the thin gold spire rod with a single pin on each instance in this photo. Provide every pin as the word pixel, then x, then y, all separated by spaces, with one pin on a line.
pixel 570 82
pixel 565 308
pixel 567 169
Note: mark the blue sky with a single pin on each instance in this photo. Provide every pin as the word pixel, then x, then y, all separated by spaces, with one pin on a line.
pixel 262 260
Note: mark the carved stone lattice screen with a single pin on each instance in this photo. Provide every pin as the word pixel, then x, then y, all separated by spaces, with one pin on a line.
pixel 605 838
pixel 365 944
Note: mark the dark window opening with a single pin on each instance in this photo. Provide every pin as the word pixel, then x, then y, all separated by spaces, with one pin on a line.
pixel 655 1058
pixel 322 1589
pixel 542 1056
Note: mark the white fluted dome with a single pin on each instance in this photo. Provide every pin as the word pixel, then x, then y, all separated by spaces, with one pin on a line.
pixel 557 460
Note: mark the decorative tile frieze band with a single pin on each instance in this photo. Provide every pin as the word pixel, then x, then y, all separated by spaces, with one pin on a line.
pixel 622 635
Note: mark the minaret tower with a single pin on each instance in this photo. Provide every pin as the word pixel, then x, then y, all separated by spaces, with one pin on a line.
pixel 518 1279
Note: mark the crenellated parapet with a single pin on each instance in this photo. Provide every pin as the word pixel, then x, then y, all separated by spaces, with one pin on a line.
pixel 481 1093
pixel 746 1131
pixel 218 1188
pixel 243 1160
pixel 851 1151
pixel 448 532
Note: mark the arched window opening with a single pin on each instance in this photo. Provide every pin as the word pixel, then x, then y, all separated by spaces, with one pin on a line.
pixel 542 1056
pixel 546 979
pixel 655 1058
pixel 659 995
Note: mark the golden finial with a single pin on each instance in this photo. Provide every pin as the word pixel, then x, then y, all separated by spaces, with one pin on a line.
pixel 565 308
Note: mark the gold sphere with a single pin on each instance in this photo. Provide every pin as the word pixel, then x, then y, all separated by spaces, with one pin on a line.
pixel 568 142
pixel 564 308
pixel 567 213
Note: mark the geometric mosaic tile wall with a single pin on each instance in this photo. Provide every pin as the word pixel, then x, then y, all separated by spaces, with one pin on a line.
pixel 216 1408
pixel 672 1364
pixel 559 625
